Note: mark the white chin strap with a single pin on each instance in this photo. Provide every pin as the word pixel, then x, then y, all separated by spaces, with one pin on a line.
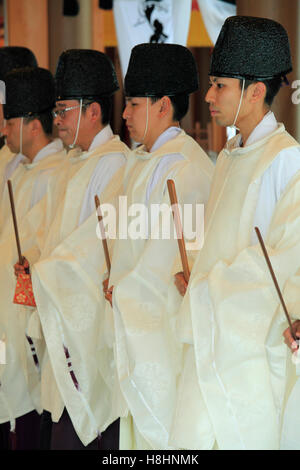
pixel 21 135
pixel 147 122
pixel 78 125
pixel 239 107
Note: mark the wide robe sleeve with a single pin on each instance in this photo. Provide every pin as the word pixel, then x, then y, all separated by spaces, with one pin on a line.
pixel 70 302
pixel 145 302
pixel 232 318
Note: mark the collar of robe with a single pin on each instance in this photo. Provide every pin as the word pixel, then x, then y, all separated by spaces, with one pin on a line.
pixel 30 166
pixel 54 147
pixel 232 147
pixel 141 153
pixel 76 155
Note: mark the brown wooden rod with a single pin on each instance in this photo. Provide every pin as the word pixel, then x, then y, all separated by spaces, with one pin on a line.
pixel 12 204
pixel 103 235
pixel 179 231
pixel 260 239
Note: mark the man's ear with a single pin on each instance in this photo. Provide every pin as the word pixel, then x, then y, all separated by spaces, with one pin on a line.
pixel 258 92
pixel 35 126
pixel 94 111
pixel 165 106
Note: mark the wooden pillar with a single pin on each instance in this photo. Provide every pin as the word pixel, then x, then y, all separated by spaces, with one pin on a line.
pixel 27 25
pixel 68 32
pixel 286 13
pixel 97 26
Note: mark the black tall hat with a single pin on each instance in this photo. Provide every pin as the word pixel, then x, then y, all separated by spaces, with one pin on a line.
pixel 29 92
pixel 84 73
pixel 251 48
pixel 15 57
pixel 161 69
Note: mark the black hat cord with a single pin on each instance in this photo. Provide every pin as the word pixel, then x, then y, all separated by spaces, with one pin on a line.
pixel 78 125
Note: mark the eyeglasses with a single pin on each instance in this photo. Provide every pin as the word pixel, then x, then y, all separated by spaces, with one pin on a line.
pixel 62 112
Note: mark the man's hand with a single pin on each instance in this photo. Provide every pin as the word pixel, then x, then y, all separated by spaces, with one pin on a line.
pixel 108 295
pixel 288 338
pixel 21 268
pixel 105 285
pixel 180 283
pixel 107 291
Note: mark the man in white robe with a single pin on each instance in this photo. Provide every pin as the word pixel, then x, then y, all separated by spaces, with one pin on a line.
pixel 30 98
pixel 158 82
pixel 11 57
pixel 67 279
pixel 232 385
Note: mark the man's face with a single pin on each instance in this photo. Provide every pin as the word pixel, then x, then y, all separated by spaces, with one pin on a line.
pixel 12 131
pixel 223 97
pixel 135 114
pixel 66 122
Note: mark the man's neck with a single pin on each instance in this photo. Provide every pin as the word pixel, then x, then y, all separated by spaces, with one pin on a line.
pixel 158 132
pixel 247 126
pixel 36 146
pixel 89 137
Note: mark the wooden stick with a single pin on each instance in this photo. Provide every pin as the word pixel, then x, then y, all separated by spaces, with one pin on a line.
pixel 178 226
pixel 260 239
pixel 12 204
pixel 103 235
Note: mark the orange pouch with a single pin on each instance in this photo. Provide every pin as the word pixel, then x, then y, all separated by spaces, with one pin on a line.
pixel 24 293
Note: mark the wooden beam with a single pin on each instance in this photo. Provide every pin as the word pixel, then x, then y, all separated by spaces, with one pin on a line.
pixel 27 25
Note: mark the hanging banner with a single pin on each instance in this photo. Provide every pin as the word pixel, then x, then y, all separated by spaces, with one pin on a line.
pixel 214 13
pixel 154 21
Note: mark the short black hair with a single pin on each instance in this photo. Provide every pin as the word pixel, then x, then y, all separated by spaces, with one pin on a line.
pixel 106 107
pixel 46 120
pixel 180 105
pixel 272 87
